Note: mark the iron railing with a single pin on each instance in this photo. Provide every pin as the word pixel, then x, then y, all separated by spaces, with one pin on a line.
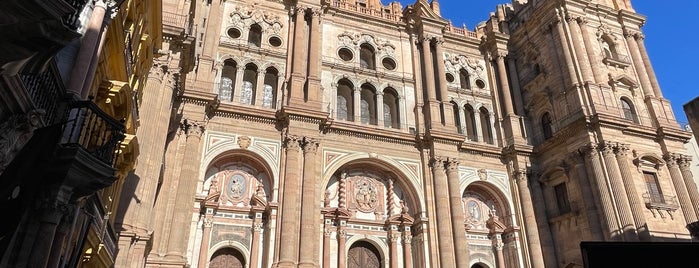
pixel 46 91
pixel 93 130
pixel 72 20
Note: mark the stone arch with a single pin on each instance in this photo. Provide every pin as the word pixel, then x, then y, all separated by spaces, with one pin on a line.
pixel 480 261
pixel 259 154
pixel 490 196
pixel 229 244
pixel 245 161
pixel 374 241
pixel 549 174
pixel 408 179
pixel 498 190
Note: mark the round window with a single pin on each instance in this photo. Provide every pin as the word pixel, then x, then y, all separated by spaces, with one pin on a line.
pixel 480 83
pixel 275 41
pixel 450 78
pixel 234 33
pixel 345 54
pixel 389 64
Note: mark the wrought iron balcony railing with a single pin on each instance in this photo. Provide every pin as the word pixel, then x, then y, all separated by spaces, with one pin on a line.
pixel 93 130
pixel 46 91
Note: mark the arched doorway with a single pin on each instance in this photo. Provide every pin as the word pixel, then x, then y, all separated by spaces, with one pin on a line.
pixel 363 254
pixel 479 265
pixel 228 258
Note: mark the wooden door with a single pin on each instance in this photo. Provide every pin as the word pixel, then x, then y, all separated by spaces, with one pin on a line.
pixel 363 255
pixel 227 258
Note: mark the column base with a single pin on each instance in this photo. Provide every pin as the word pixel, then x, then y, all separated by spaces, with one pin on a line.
pixel 307 265
pixel 285 264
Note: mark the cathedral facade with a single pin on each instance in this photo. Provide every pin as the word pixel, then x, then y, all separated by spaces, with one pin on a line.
pixel 349 133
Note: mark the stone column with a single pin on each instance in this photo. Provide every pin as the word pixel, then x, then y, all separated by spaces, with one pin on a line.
pixel 357 105
pixel 535 253
pixel 205 237
pixel 88 46
pixel 568 58
pixel 649 67
pixel 690 214
pixel 576 162
pixel 628 226
pixel 592 162
pixel 288 235
pixel 48 218
pixel 428 64
pixel 238 87
pixel 259 88
pixel 255 241
pixel 393 237
pixel 443 90
pixel 497 247
pixel 684 162
pixel 309 223
pixel 315 51
pixel 477 129
pixel 502 76
pixel 186 190
pixel 638 64
pixel 580 50
pixel 341 240
pixel 462 121
pixel 444 227
pixel 379 109
pixel 627 175
pixel 401 106
pixel 457 214
pixel 407 248
pixel 298 70
pixel 597 68
pixel 516 89
pixel 326 244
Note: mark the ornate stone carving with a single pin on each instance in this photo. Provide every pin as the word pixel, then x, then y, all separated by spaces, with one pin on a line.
pixel 15 132
pixel 671 159
pixel 452 164
pixel 310 146
pixel 342 191
pixel 268 21
pixel 483 174
pixel 366 195
pixel 436 162
pixel 244 142
pixel 520 175
pixel 589 151
pixel 621 149
pixel 193 128
pixel 292 143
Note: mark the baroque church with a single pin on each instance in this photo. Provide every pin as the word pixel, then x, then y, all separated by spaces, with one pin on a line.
pixel 354 133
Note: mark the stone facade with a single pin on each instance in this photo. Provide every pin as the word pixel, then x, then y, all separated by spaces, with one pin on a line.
pixel 352 133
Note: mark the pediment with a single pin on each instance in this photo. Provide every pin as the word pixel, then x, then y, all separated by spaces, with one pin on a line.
pixel 424 11
pixel 625 80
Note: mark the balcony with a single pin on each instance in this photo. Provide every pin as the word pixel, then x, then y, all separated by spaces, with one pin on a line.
pixel 658 204
pixel 33 31
pixel 86 153
pixel 618 60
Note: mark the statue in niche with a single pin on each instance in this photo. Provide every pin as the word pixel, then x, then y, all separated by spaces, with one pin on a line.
pixel 474 210
pixel 236 186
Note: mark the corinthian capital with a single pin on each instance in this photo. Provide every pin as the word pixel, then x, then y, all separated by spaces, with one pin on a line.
pixel 607 148
pixel 436 162
pixel 520 175
pixel 621 149
pixel 192 127
pixel 671 159
pixel 292 142
pixel 310 145
pixel 452 164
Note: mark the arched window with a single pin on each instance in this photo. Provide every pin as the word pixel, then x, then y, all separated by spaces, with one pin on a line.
pixel 391 113
pixel 368 105
pixel 608 47
pixel 363 254
pixel 255 35
pixel 470 118
pixel 485 126
pixel 463 79
pixel 546 125
pixel 269 91
pixel 345 100
pixel 228 72
pixel 628 109
pixel 367 59
pixel 247 93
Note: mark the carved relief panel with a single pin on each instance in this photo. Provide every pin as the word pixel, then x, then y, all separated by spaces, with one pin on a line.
pixel 237 187
pixel 367 196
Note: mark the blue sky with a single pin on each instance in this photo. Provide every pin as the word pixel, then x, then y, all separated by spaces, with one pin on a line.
pixel 672 39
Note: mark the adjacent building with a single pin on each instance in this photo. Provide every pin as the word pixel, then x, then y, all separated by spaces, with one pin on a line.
pixel 72 76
